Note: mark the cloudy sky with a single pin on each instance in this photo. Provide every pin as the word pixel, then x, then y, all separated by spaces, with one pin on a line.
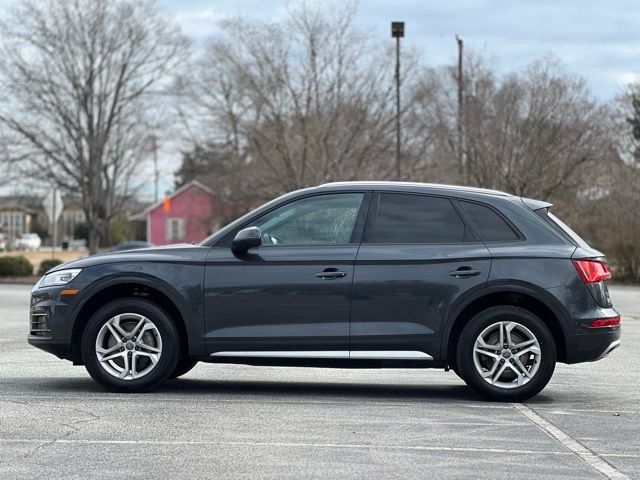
pixel 598 39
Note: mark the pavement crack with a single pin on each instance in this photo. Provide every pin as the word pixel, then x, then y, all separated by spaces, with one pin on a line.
pixel 73 427
pixel 584 453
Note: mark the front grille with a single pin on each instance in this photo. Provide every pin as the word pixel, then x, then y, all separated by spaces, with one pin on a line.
pixel 39 327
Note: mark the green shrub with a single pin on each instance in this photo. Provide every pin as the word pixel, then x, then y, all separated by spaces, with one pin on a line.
pixel 17 266
pixel 81 230
pixel 47 265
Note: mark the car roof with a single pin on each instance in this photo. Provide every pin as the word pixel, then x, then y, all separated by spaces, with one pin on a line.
pixel 414 186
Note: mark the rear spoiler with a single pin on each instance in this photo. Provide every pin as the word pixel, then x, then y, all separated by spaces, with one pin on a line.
pixel 536 204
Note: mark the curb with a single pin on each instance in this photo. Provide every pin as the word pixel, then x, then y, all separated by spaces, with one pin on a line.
pixel 19 280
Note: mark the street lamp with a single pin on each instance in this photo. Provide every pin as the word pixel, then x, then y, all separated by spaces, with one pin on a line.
pixel 461 112
pixel 397 32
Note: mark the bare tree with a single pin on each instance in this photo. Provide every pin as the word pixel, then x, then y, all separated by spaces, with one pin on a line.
pixel 296 103
pixel 614 222
pixel 79 83
pixel 532 133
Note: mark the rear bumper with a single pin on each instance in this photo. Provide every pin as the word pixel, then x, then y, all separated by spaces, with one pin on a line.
pixel 615 344
pixel 584 343
pixel 589 347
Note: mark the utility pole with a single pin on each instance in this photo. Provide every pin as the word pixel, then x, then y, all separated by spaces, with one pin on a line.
pixel 55 225
pixel 397 32
pixel 461 156
pixel 154 148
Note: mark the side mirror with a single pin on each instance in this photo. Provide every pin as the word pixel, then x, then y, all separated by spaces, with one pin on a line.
pixel 245 239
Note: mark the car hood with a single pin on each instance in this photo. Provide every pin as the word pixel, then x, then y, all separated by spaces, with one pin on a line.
pixel 167 253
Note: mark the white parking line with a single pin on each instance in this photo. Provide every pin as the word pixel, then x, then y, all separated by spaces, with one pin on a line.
pixel 67 441
pixel 588 456
pixel 284 444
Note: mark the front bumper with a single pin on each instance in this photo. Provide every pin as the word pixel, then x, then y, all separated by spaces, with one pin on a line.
pixel 48 319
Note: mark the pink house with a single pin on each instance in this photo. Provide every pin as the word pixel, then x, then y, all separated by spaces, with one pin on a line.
pixel 189 215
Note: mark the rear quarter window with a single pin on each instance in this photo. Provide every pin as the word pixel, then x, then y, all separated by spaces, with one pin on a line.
pixel 490 226
pixel 561 228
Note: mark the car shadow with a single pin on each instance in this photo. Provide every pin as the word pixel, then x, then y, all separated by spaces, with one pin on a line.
pixel 336 391
pixel 321 390
pixel 269 389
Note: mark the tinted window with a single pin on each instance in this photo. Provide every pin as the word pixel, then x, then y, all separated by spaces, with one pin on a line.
pixel 562 228
pixel 490 225
pixel 320 220
pixel 416 219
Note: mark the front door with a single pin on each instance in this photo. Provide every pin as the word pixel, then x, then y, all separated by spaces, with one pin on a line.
pixel 290 296
pixel 418 255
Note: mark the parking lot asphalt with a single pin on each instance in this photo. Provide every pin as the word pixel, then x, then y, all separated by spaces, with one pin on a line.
pixel 231 421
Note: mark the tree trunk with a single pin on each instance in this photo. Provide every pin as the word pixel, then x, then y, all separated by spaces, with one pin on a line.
pixel 94 237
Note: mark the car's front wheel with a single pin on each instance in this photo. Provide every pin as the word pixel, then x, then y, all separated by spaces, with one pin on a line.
pixel 130 345
pixel 506 354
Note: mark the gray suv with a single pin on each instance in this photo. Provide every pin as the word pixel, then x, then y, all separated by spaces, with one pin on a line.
pixel 356 275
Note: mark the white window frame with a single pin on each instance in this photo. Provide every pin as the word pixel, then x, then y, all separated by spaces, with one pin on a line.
pixel 175 228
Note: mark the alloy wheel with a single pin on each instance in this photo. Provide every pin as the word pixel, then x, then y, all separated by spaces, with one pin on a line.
pixel 507 354
pixel 128 346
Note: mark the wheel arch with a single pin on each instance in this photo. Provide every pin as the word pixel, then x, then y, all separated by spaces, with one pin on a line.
pixel 537 301
pixel 137 286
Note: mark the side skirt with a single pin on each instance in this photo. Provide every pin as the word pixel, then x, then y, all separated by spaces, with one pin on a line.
pixel 329 359
pixel 342 354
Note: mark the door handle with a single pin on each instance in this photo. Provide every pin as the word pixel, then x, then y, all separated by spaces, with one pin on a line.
pixel 331 274
pixel 464 272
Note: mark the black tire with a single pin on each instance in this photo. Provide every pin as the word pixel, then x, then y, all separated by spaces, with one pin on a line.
pixel 465 353
pixel 185 365
pixel 170 346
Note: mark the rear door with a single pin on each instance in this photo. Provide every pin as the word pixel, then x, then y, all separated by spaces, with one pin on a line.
pixel 419 255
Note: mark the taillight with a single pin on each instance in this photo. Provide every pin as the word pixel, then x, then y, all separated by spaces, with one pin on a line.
pixel 592 271
pixel 605 322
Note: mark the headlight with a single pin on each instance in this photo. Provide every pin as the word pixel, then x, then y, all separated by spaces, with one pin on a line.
pixel 60 277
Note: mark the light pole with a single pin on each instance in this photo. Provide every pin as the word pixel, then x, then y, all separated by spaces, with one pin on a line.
pixel 154 150
pixel 461 121
pixel 55 226
pixel 397 32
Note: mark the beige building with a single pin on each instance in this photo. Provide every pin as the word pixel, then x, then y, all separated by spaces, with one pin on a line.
pixel 25 214
pixel 17 215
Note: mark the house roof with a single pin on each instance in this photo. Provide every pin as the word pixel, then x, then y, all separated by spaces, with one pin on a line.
pixel 33 203
pixel 193 183
pixel 21 203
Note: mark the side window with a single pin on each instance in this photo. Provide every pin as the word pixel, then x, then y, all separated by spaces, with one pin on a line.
pixel 319 220
pixel 405 218
pixel 491 227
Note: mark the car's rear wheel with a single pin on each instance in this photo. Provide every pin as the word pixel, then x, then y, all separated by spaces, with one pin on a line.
pixel 506 354
pixel 185 365
pixel 130 345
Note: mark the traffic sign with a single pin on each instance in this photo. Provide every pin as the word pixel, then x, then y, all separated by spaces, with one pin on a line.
pixel 53 205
